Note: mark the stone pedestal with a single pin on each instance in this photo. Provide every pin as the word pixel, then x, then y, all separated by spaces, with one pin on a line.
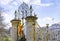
pixel 14 30
pixel 30 28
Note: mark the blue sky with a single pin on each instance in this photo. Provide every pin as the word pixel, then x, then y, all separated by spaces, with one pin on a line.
pixel 48 11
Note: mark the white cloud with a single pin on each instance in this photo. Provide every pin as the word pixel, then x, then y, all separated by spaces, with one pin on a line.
pixel 26 1
pixel 15 3
pixel 38 2
pixel 7 19
pixel 47 4
pixel 4 1
pixel 47 19
pixel 35 2
pixel 44 21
